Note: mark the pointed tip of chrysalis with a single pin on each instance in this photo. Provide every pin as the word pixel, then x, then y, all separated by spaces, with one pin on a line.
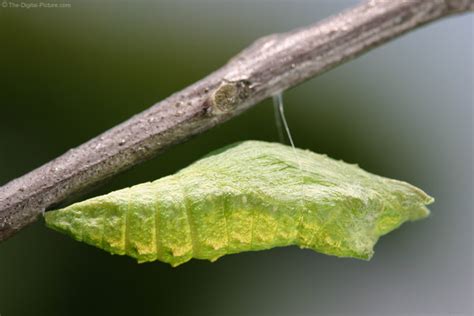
pixel 422 211
pixel 419 213
pixel 64 222
pixel 411 198
pixel 83 221
pixel 419 209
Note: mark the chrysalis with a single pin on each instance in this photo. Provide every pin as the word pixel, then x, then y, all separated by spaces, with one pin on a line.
pixel 248 196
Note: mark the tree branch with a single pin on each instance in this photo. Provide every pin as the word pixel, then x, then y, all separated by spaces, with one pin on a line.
pixel 272 64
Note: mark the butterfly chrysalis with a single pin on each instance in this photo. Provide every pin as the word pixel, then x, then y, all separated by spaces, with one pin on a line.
pixel 248 196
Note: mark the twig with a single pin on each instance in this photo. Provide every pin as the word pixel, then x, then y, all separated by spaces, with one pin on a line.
pixel 270 65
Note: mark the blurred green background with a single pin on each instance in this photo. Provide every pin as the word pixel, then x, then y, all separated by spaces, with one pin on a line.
pixel 404 110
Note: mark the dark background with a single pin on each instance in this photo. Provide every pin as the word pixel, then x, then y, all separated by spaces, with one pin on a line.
pixel 404 110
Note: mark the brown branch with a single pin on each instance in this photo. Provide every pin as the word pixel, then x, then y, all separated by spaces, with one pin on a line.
pixel 272 64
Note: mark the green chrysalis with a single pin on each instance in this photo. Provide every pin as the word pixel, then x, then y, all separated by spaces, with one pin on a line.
pixel 248 196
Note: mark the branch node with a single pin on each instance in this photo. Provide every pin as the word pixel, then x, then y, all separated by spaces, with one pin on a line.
pixel 228 95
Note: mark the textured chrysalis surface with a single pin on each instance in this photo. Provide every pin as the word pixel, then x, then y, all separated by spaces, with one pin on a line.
pixel 248 196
